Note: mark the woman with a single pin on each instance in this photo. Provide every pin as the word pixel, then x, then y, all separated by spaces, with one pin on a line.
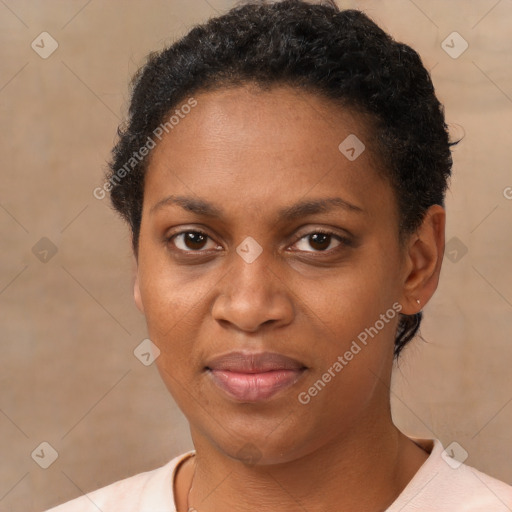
pixel 283 174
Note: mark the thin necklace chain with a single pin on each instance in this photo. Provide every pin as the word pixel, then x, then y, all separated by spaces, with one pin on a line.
pixel 189 508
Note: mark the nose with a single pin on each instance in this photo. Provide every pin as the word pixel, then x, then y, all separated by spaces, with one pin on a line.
pixel 253 295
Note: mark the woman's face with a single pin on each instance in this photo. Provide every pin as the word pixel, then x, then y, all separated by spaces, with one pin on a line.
pixel 260 235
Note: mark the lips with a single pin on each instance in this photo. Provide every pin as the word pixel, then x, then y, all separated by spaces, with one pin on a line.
pixel 253 377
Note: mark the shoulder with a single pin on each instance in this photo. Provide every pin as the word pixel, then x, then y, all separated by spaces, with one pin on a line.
pixel 487 493
pixel 151 491
pixel 468 489
pixel 444 484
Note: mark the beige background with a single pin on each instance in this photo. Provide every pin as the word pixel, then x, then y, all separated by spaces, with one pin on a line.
pixel 69 327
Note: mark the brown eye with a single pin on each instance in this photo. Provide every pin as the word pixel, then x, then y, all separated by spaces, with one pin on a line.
pixel 191 241
pixel 319 241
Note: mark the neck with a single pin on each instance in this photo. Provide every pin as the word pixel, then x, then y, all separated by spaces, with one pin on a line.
pixel 364 470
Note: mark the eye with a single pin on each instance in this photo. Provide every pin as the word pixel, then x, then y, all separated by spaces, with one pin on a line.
pixel 320 241
pixel 192 241
pixel 197 241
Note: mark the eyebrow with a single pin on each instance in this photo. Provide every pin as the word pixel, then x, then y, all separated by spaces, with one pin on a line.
pixel 297 210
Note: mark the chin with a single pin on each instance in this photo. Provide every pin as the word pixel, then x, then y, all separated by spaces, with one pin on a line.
pixel 263 444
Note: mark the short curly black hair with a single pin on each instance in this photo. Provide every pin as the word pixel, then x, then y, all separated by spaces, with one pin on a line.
pixel 341 55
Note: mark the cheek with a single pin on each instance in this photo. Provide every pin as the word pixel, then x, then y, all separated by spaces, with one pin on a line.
pixel 352 298
pixel 352 331
pixel 168 294
pixel 171 307
pixel 354 316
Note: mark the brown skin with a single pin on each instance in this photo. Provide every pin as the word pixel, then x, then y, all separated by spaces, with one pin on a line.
pixel 252 153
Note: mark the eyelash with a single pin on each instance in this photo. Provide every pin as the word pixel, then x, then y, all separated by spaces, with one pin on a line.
pixel 343 241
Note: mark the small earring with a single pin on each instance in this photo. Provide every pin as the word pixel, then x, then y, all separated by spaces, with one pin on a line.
pixel 418 301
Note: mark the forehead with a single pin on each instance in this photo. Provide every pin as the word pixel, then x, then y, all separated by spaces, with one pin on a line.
pixel 258 119
pixel 265 146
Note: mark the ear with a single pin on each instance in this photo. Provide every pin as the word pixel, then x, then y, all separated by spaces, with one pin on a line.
pixel 136 290
pixel 423 260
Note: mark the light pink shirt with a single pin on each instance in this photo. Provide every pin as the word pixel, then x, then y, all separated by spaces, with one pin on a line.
pixel 440 485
